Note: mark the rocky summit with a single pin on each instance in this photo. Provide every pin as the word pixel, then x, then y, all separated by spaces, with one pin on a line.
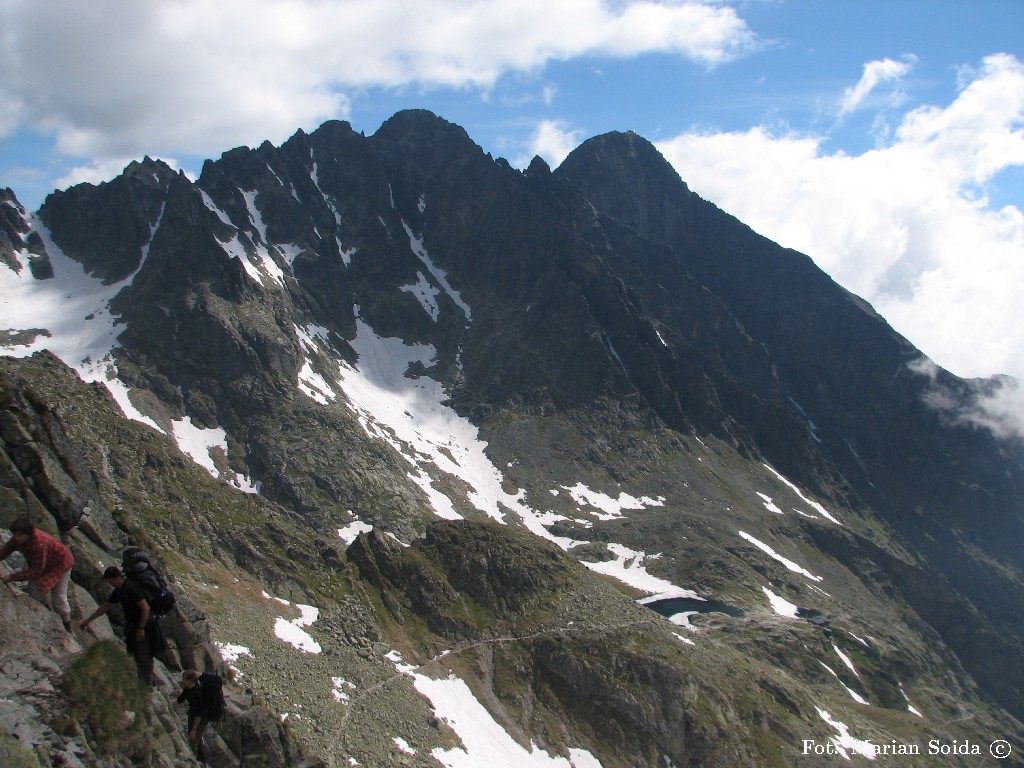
pixel 451 464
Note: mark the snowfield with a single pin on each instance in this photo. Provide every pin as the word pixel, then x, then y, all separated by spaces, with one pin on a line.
pixel 485 742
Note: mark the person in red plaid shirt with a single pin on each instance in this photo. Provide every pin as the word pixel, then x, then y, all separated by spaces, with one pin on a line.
pixel 49 566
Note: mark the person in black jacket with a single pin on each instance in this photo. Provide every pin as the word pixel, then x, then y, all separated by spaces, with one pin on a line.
pixel 193 695
pixel 142 633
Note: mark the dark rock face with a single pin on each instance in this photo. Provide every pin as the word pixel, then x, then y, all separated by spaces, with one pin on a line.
pixel 589 681
pixel 16 237
pixel 107 227
pixel 13 228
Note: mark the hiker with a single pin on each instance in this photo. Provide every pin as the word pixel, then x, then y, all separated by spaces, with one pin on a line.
pixel 205 698
pixel 142 633
pixel 49 566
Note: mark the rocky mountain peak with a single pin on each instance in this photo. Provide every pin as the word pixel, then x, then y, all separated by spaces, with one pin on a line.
pixel 538 167
pixel 10 200
pixel 156 173
pixel 423 144
pixel 106 227
pixel 13 228
pixel 19 245
pixel 416 127
pixel 627 178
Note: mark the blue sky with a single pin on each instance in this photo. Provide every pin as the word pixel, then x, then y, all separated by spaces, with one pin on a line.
pixel 883 139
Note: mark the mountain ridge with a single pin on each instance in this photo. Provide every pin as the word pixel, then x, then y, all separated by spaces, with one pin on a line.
pixel 377 324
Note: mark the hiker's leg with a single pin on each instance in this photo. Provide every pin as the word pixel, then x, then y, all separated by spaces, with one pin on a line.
pixel 38 594
pixel 200 730
pixel 143 659
pixel 59 597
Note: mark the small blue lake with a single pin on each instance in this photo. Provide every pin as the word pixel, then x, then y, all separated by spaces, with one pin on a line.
pixel 674 605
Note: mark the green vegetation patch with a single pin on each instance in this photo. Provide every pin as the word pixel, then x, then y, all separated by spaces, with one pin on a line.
pixel 14 755
pixel 106 696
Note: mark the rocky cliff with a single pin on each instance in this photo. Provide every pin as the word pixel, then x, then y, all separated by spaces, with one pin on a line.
pixel 73 698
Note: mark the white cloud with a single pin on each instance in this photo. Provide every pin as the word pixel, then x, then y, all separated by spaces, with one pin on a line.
pixel 999 408
pixel 196 76
pixel 995 404
pixel 553 141
pixel 875 73
pixel 907 225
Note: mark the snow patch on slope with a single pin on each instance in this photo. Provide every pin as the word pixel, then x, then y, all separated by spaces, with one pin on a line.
pixel 122 396
pixel 292 631
pixel 231 652
pixel 785 561
pixel 197 442
pixel 910 707
pixel 781 605
pixel 846 659
pixel 771 507
pixel 610 508
pixel 254 213
pixel 484 741
pixel 426 294
pixel 313 385
pixel 844 742
pixel 853 694
pixel 812 504
pixel 254 257
pixel 410 414
pixel 340 685
pixel 349 533
pixel 313 339
pixel 628 567
pixel 72 309
pixel 200 445
pixel 416 243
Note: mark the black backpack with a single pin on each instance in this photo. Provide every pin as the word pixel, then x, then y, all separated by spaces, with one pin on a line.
pixel 213 696
pixel 136 566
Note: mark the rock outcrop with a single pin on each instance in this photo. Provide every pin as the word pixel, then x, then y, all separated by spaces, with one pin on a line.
pixel 73 698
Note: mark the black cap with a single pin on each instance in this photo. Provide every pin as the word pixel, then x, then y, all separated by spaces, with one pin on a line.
pixel 113 572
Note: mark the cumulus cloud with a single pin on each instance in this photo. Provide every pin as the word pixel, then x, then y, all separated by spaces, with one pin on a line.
pixel 116 78
pixel 995 404
pixel 999 407
pixel 903 225
pixel 907 225
pixel 875 73
pixel 553 141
